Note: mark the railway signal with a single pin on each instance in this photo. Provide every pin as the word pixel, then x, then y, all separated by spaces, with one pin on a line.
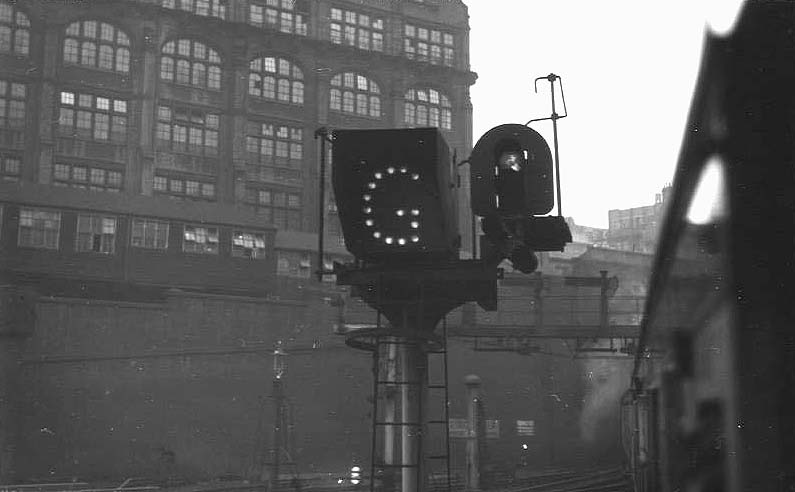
pixel 512 187
pixel 511 172
pixel 394 195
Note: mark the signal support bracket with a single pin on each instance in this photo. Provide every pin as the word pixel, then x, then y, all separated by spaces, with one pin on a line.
pixel 434 289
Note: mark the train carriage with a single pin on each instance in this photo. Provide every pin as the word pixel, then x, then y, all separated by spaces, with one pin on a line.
pixel 710 408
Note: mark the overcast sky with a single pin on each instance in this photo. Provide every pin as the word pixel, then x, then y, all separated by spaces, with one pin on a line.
pixel 628 71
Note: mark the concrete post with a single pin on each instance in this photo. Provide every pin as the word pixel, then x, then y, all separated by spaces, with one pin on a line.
pixel 472 383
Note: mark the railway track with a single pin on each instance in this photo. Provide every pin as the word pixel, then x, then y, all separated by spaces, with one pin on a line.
pixel 612 480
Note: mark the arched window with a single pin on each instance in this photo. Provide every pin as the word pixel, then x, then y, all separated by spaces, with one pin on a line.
pixel 188 62
pixel 354 93
pixel 14 30
pixel 277 79
pixel 427 107
pixel 98 45
pixel 211 8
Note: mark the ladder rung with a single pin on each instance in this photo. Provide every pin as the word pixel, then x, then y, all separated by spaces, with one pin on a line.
pixel 437 421
pixel 436 386
pixel 401 424
pixel 391 465
pixel 397 382
pixel 436 456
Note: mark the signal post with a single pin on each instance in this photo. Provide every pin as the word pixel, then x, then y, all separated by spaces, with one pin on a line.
pixel 397 206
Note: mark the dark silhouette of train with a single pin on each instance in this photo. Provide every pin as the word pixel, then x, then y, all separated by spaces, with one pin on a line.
pixel 710 408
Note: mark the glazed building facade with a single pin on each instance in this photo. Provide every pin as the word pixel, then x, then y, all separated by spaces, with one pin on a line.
pixel 158 211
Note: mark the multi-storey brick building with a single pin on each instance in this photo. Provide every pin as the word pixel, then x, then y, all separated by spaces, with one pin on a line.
pixel 158 168
pixel 636 229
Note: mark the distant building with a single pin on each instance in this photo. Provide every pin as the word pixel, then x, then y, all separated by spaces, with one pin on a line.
pixel 636 229
pixel 593 236
pixel 158 218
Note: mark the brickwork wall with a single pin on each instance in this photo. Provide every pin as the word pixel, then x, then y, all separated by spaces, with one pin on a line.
pixel 182 389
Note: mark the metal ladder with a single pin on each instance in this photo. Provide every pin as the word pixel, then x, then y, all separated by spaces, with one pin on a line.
pixel 387 420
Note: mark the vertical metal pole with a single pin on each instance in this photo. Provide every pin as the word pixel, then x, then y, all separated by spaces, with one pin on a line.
pixel 277 433
pixel 539 298
pixel 414 368
pixel 635 440
pixel 390 407
pixel 409 417
pixel 552 78
pixel 322 133
pixel 421 387
pixel 603 315
pixel 376 367
pixel 474 226
pixel 472 383
pixel 446 406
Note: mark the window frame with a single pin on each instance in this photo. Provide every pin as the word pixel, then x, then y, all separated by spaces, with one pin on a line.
pixel 355 29
pixel 178 187
pixel 89 50
pixel 15 173
pixel 11 102
pixel 205 232
pixel 419 44
pixel 56 216
pixel 346 95
pixel 144 222
pixel 92 122
pixel 290 17
pixel 214 8
pixel 190 62
pixel 15 33
pixel 283 83
pixel 278 206
pixel 79 176
pixel 105 248
pixel 266 137
pixel 182 124
pixel 295 264
pixel 254 252
pixel 423 98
